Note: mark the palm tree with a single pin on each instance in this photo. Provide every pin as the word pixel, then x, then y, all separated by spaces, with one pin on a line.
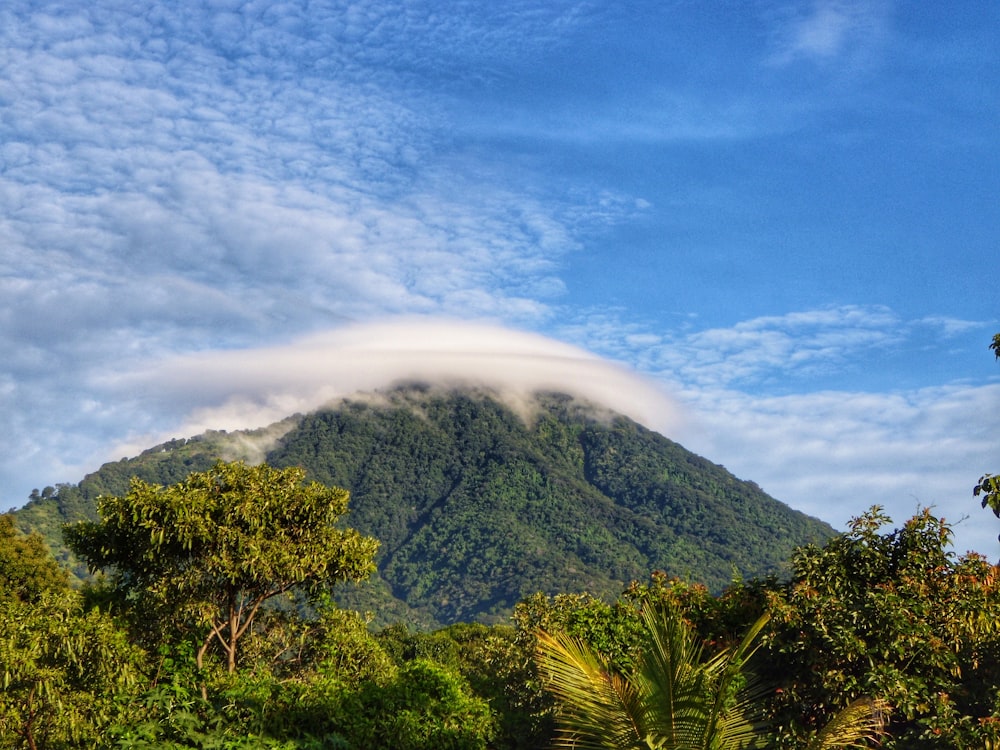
pixel 672 698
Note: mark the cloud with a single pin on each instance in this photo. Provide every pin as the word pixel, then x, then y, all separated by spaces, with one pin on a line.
pixel 834 454
pixel 178 180
pixel 649 116
pixel 751 403
pixel 796 346
pixel 796 351
pixel 950 327
pixel 251 388
pixel 168 172
pixel 842 31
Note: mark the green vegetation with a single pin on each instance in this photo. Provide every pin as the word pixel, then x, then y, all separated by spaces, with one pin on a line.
pixel 666 696
pixel 894 615
pixel 873 630
pixel 206 553
pixel 64 670
pixel 27 570
pixel 477 506
pixel 669 695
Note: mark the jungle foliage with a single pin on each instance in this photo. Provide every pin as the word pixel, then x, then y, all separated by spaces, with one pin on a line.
pixel 883 627
pixel 207 553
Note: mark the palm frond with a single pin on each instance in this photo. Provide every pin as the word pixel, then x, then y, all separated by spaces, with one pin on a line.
pixel 735 693
pixel 674 698
pixel 859 725
pixel 671 679
pixel 599 708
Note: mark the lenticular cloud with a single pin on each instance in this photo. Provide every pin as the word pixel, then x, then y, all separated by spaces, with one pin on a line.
pixel 250 388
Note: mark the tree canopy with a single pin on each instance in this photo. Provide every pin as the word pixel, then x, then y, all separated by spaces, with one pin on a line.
pixel 27 569
pixel 892 614
pixel 675 696
pixel 61 669
pixel 211 549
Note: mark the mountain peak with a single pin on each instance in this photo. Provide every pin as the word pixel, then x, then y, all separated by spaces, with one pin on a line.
pixel 481 497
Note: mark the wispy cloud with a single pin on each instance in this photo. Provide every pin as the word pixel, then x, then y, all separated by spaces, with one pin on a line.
pixel 833 454
pixel 168 182
pixel 847 32
pixel 796 344
pixel 788 348
pixel 749 392
pixel 784 353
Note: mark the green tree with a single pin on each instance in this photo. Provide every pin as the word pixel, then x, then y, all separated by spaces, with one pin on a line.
pixel 27 568
pixel 423 707
pixel 891 614
pixel 66 672
pixel 352 695
pixel 507 658
pixel 211 549
pixel 674 697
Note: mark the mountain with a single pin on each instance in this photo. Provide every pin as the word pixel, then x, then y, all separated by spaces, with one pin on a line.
pixel 480 500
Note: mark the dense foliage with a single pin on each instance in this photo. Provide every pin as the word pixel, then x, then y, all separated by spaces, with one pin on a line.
pixel 206 553
pixel 871 618
pixel 478 505
pixel 892 614
pixel 63 670
pixel 27 570
pixel 671 695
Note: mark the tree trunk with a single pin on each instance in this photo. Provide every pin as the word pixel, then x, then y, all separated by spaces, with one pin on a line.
pixel 234 624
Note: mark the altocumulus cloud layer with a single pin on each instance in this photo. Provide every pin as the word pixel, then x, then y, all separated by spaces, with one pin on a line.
pixel 216 214
pixel 176 180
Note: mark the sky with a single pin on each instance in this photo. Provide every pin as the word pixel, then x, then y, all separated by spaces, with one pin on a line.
pixel 768 230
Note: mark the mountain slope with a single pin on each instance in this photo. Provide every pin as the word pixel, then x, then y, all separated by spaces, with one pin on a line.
pixel 478 504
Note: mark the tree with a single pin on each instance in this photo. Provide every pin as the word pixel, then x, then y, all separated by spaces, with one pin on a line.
pixel 895 615
pixel 65 672
pixel 989 484
pixel 27 568
pixel 673 698
pixel 211 549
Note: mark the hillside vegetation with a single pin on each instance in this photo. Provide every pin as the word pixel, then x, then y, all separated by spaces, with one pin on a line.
pixel 477 504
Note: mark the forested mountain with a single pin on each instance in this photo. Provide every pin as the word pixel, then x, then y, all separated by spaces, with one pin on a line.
pixel 478 504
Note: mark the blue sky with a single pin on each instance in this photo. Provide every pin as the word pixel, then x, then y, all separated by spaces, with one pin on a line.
pixel 777 220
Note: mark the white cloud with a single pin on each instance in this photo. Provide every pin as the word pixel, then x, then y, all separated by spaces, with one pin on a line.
pixel 176 181
pixel 950 326
pixel 829 452
pixel 250 388
pixel 847 32
pixel 795 347
pixel 834 454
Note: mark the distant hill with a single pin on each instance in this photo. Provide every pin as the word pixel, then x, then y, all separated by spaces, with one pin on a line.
pixel 479 502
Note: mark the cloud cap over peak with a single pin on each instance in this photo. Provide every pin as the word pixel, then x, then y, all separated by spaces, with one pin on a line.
pixel 249 388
